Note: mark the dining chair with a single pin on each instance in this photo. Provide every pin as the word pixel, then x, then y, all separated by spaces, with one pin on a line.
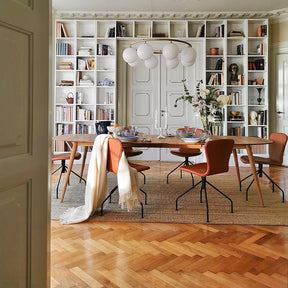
pixel 217 161
pixel 276 152
pixel 115 150
pixel 186 153
pixel 63 157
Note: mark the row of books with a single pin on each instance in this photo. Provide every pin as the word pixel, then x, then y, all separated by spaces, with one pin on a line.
pixel 86 64
pixel 240 49
pixel 104 114
pixel 262 31
pixel 200 31
pixel 217 130
pixel 83 114
pixel 65 66
pixel 216 79
pixel 219 31
pixel 257 64
pixel 64 129
pixel 237 131
pixel 64 114
pixel 234 98
pixel 121 30
pixel 240 80
pixel 111 32
pixel 84 129
pixel 61 30
pixel 261 118
pixel 103 49
pixel 63 49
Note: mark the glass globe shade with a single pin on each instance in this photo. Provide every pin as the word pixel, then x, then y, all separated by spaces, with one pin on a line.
pixel 188 54
pixel 135 63
pixel 130 55
pixel 170 51
pixel 145 51
pixel 172 63
pixel 151 62
pixel 186 64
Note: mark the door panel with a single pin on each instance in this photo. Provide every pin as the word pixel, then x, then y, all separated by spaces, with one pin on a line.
pixel 157 89
pixel 24 216
pixel 282 97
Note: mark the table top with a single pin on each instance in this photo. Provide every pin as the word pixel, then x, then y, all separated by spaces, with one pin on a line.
pixel 167 142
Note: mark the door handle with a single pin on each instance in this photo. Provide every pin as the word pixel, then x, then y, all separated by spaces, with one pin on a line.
pixel 279 112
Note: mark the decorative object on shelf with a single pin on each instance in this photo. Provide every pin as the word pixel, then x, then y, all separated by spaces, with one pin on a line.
pixel 70 98
pixel 101 127
pixel 106 82
pixel 253 117
pixel 207 103
pixel 214 51
pixel 115 130
pixel 158 125
pixel 145 52
pixel 234 68
pixel 259 99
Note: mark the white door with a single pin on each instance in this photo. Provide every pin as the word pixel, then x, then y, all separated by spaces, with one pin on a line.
pixel 24 219
pixel 157 89
pixel 282 97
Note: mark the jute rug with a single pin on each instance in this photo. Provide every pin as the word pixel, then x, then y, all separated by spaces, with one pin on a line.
pixel 161 203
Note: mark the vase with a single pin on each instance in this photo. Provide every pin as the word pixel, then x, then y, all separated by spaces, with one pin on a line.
pixel 206 128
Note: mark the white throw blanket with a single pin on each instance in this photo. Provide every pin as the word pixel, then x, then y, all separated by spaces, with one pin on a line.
pixel 96 184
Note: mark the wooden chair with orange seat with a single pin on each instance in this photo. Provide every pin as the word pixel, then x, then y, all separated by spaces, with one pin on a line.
pixel 115 150
pixel 63 157
pixel 186 153
pixel 217 155
pixel 275 158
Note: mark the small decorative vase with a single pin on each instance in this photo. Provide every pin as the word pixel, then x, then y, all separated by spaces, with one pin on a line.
pixel 259 99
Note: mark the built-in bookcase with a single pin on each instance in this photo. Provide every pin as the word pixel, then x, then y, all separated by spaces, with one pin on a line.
pixel 86 56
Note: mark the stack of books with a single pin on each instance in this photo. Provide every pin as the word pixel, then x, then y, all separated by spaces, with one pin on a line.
pixel 235 33
pixel 65 66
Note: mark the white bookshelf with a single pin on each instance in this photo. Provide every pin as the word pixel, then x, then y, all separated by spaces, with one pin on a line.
pixel 101 97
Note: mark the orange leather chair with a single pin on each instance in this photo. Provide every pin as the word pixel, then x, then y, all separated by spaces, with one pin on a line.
pixel 217 154
pixel 115 150
pixel 275 158
pixel 63 157
pixel 186 153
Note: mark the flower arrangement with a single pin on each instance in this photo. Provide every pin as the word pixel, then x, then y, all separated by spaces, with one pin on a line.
pixel 207 102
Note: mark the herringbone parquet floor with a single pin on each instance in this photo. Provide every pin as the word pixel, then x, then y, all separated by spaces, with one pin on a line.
pixel 112 255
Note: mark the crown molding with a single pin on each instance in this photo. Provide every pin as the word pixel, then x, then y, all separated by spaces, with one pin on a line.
pixel 274 14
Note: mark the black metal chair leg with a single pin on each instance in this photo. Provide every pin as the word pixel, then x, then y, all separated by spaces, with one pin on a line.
pixel 145 194
pixel 231 202
pixel 174 170
pixel 206 199
pixel 143 176
pixel 78 176
pixel 56 170
pixel 108 197
pixel 185 193
pixel 142 210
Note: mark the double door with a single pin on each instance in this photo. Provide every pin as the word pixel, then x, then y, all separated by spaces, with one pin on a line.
pixel 150 92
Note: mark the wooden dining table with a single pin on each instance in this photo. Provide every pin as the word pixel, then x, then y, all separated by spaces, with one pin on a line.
pixel 240 142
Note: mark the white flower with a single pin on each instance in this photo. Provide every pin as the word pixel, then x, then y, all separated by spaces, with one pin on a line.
pixel 222 100
pixel 210 118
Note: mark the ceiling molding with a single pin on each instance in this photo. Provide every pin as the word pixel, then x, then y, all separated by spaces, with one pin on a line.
pixel 274 14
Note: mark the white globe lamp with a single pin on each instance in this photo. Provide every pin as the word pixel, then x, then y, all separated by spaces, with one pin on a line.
pixel 151 62
pixel 135 63
pixel 173 63
pixel 145 51
pixel 188 55
pixel 130 55
pixel 170 51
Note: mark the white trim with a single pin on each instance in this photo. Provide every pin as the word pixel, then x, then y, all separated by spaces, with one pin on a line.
pixel 281 13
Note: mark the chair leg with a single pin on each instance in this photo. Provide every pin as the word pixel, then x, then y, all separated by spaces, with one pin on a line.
pixel 185 193
pixel 143 176
pixel 231 202
pixel 204 181
pixel 108 197
pixel 56 170
pixel 244 180
pixel 274 183
pixel 145 194
pixel 77 175
pixel 174 170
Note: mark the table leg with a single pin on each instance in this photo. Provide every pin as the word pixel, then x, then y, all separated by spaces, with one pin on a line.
pixel 253 168
pixel 236 165
pixel 73 152
pixel 83 162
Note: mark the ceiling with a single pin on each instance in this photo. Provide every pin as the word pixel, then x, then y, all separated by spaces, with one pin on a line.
pixel 169 5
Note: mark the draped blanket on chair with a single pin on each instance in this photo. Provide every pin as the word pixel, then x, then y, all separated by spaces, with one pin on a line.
pixel 96 185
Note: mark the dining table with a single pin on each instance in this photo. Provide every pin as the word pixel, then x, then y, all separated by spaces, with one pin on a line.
pixel 152 141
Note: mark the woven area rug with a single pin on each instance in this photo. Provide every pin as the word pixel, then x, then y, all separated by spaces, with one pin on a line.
pixel 161 203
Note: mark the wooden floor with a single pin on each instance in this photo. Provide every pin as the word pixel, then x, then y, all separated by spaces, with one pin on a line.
pixel 135 255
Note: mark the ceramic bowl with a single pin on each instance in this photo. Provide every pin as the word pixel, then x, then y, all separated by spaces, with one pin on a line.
pixel 234 113
pixel 115 130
